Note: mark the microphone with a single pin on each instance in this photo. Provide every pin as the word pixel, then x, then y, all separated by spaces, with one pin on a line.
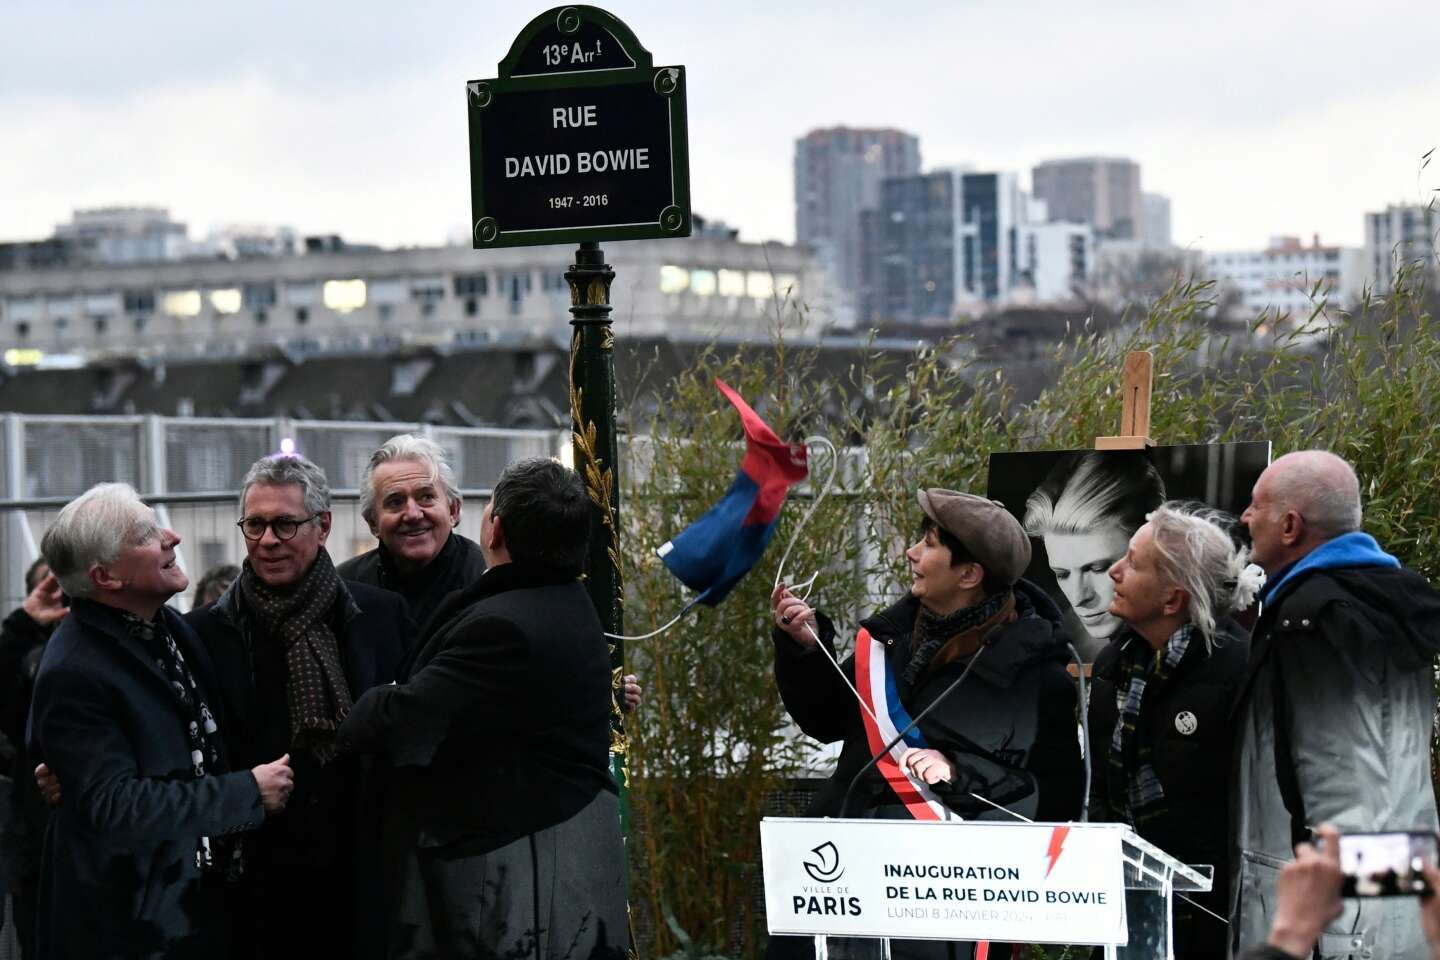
pixel 984 643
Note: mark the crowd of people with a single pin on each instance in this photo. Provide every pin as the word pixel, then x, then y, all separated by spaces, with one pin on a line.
pixel 406 755
pixel 1219 744
pixel 294 767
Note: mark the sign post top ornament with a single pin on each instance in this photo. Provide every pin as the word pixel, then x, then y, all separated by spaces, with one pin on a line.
pixel 580 138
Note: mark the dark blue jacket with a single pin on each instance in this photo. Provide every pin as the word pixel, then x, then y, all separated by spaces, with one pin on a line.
pixel 313 872
pixel 119 875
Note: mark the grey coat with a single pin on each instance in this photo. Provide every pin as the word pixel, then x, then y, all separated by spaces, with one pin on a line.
pixel 1333 723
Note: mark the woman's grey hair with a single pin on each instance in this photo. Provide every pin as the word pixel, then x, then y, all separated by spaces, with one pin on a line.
pixel 421 450
pixel 1087 490
pixel 283 470
pixel 93 530
pixel 1195 551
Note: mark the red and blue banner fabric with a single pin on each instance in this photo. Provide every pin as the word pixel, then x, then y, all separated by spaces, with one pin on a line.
pixel 714 552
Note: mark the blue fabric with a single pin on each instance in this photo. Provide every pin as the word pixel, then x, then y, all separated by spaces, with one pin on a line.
pixel 714 552
pixel 1347 550
pixel 898 714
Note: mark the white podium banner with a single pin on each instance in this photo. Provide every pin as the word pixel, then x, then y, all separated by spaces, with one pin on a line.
pixel 956 880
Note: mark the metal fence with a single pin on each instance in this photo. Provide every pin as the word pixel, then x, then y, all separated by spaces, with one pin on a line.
pixel 190 469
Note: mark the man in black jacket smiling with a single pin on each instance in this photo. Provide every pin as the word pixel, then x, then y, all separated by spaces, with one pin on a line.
pixel 411 500
pixel 293 646
pixel 498 739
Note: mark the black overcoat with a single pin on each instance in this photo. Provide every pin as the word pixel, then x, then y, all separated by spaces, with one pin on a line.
pixel 313 882
pixel 119 876
pixel 1188 726
pixel 498 736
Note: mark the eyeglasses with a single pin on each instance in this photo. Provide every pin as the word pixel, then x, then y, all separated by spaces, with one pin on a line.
pixel 284 528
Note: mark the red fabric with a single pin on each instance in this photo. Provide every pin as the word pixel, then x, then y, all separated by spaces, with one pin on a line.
pixel 771 463
pixel 887 766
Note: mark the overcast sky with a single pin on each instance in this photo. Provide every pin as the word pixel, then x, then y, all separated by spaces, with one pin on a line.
pixel 1258 117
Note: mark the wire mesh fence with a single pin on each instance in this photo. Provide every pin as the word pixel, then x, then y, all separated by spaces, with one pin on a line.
pixel 190 470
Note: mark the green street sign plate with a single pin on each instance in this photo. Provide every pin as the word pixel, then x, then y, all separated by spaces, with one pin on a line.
pixel 579 138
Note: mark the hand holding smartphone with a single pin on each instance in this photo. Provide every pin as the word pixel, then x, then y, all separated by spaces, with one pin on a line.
pixel 1387 864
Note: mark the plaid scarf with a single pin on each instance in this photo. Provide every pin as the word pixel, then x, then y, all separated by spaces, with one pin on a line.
pixel 1131 776
pixel 932 630
pixel 318 693
pixel 201 732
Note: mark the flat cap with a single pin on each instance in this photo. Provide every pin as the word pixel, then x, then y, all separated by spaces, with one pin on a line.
pixel 984 527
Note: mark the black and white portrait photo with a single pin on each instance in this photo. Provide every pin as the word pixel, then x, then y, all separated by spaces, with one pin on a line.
pixel 1080 508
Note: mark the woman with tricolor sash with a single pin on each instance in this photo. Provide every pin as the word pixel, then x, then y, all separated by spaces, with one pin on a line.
pixel 1002 745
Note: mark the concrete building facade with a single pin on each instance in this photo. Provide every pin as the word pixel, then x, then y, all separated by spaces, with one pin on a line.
pixel 330 295
pixel 1401 235
pixel 1101 191
pixel 1289 276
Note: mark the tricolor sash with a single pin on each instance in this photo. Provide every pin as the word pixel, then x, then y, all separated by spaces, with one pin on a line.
pixel 887 716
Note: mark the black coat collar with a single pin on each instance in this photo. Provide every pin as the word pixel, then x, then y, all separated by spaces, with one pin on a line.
pixel 110 622
pixel 1038 635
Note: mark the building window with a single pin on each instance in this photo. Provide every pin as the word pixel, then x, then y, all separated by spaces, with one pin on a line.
pixel 471 284
pixel 22 329
pixel 101 325
pixel 139 301
pixel 472 307
pixel 258 296
pixel 302 315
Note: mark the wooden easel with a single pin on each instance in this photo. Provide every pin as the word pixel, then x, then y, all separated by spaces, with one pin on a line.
pixel 1134 418
pixel 1135 410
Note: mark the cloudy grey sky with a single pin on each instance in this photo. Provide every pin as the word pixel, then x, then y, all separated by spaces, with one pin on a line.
pixel 1258 117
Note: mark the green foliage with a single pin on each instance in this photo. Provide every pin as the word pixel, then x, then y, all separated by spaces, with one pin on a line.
pixel 712 742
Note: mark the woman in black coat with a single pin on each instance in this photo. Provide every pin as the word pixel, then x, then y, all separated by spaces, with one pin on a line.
pixel 1160 731
pixel 1007 740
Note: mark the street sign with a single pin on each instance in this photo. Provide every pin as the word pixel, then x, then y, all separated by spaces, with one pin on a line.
pixel 580 138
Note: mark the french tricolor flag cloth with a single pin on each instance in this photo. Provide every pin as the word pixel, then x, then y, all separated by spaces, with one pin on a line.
pixel 714 552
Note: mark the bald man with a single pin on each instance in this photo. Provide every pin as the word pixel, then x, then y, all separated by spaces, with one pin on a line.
pixel 1336 709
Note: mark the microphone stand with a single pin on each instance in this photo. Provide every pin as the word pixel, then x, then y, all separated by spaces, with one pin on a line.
pixel 845 800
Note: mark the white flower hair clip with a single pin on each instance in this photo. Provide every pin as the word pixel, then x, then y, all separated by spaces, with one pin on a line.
pixel 1248 585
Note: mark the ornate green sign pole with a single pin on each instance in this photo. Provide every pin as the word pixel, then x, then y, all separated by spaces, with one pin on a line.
pixel 582 139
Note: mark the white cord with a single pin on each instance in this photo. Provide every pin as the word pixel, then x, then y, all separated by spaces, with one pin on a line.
pixel 655 633
pixel 814 505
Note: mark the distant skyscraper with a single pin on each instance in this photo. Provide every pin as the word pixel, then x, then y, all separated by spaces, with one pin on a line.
pixel 1156 230
pixel 946 239
pixel 837 175
pixel 1398 236
pixel 1101 191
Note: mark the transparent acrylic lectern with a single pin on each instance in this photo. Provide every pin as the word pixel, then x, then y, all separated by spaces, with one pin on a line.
pixel 1152 881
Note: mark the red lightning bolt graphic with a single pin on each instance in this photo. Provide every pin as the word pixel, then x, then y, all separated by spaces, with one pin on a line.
pixel 1057 844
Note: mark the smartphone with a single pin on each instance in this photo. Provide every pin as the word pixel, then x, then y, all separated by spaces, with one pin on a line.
pixel 1386 864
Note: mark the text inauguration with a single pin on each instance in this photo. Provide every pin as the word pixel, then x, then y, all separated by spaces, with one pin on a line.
pixel 585 161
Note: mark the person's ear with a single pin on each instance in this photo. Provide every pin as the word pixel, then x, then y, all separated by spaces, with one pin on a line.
pixel 972 575
pixel 1175 601
pixel 105 580
pixel 1292 528
pixel 455 506
pixel 324 522
pixel 496 540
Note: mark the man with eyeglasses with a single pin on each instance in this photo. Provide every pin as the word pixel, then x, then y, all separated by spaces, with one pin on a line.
pixel 294 646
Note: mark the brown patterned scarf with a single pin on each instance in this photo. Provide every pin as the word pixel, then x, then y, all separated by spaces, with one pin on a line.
pixel 318 693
